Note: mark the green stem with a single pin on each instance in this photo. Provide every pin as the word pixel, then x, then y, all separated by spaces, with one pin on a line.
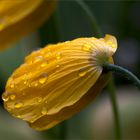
pixel 63 131
pixel 129 75
pixel 113 99
pixel 111 86
pixel 89 15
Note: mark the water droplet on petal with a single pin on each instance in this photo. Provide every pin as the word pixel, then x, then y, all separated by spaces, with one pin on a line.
pixel 29 85
pixel 10 80
pixel 12 85
pixel 43 78
pixel 18 116
pixel 58 66
pixel 39 99
pixel 12 97
pixel 37 50
pixel 5 96
pixel 37 59
pixel 25 82
pixel 48 49
pixel 66 41
pixel 2 24
pixel 44 64
pixel 48 54
pixel 58 55
pixel 86 47
pixel 112 44
pixel 44 111
pixel 35 84
pixel 31 121
pixel 18 104
pixel 82 72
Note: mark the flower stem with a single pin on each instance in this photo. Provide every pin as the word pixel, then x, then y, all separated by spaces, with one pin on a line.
pixel 89 15
pixel 111 87
pixel 113 99
pixel 129 75
pixel 63 131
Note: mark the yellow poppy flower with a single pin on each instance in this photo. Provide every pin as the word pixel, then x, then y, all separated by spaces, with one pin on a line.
pixel 19 17
pixel 58 81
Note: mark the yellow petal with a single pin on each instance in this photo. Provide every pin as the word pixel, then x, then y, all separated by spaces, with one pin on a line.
pixel 55 78
pixel 49 121
pixel 19 17
pixel 112 43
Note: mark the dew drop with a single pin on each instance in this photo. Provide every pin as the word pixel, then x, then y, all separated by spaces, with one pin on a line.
pixel 37 59
pixel 29 85
pixel 5 97
pixel 12 85
pixel 58 66
pixel 18 104
pixel 48 49
pixel 25 82
pixel 39 99
pixel 86 47
pixel 31 121
pixel 37 50
pixel 35 84
pixel 10 80
pixel 12 97
pixel 58 55
pixel 82 72
pixel 112 45
pixel 66 41
pixel 44 64
pixel 18 116
pixel 2 24
pixel 48 54
pixel 44 111
pixel 43 78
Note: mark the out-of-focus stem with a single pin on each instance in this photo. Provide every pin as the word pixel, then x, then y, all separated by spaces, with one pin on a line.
pixel 115 110
pixel 111 87
pixel 89 15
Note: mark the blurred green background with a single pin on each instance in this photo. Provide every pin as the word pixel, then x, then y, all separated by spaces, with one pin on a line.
pixel 119 18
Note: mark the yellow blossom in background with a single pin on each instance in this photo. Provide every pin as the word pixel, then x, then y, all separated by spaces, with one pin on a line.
pixel 58 81
pixel 19 17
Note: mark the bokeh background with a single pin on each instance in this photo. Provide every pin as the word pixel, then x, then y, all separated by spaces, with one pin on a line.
pixel 119 18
